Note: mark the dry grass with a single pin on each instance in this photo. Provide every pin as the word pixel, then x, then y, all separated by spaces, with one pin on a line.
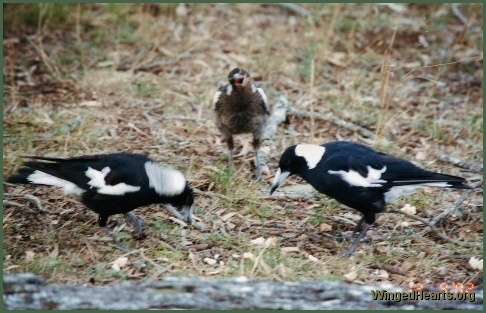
pixel 103 78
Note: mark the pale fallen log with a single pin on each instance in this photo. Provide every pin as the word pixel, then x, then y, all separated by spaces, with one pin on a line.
pixel 28 291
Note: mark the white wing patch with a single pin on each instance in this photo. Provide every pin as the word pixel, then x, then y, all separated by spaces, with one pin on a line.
pixel 165 180
pixel 353 178
pixel 216 98
pixel 398 191
pixel 263 95
pixel 229 90
pixel 98 181
pixel 42 178
pixel 311 153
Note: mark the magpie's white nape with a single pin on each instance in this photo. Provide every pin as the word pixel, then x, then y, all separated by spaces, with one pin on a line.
pixel 111 184
pixel 358 176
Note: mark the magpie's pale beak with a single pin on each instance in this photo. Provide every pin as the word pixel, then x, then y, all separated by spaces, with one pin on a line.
pixel 279 178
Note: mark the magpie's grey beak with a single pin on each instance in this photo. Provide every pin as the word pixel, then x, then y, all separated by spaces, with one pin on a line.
pixel 279 178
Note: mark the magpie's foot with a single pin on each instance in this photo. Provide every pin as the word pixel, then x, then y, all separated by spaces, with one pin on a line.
pixel 117 243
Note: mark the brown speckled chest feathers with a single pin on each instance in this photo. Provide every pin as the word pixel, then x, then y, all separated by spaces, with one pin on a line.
pixel 241 107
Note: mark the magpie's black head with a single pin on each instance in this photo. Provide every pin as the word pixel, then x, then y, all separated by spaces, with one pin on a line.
pixel 238 77
pixel 296 160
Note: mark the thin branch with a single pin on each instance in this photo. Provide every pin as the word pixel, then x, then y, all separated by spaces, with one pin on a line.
pixel 435 230
pixel 279 114
pixel 457 12
pixel 450 210
pixel 295 8
pixel 34 200
pixel 337 121
pixel 384 100
pixel 477 167
pixel 479 57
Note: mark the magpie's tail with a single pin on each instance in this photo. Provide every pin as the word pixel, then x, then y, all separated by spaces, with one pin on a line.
pixel 21 177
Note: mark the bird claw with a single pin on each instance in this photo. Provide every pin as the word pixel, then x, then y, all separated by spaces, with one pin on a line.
pixel 137 224
pixel 117 243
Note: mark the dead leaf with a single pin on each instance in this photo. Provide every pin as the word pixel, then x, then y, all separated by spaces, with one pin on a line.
pixel 90 103
pixel 351 276
pixel 475 263
pixel 210 261
pixel 271 242
pixel 409 209
pixel 119 263
pixel 29 256
pixel 325 227
pixel 289 249
pixel 248 255
pixel 260 241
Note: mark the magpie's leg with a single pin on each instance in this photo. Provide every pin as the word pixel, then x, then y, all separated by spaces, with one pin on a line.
pixel 256 145
pixel 231 146
pixel 355 243
pixel 355 230
pixel 258 171
pixel 137 223
pixel 358 226
pixel 117 243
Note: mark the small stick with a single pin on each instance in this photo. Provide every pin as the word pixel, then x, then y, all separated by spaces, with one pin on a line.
pixel 34 200
pixel 461 163
pixel 295 8
pixel 433 228
pixel 337 121
pixel 453 208
pixel 457 12
pixel 160 267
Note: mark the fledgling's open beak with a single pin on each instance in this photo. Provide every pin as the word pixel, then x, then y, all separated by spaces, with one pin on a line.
pixel 279 178
pixel 240 79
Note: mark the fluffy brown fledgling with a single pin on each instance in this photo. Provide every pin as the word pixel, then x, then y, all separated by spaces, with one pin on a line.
pixel 241 107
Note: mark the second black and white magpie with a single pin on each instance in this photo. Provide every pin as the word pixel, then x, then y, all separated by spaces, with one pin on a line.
pixel 358 176
pixel 241 107
pixel 111 184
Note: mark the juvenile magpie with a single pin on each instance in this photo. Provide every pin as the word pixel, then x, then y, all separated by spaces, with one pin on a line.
pixel 241 107
pixel 111 184
pixel 358 177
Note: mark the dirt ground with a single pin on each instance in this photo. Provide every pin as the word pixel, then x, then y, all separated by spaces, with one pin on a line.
pixel 100 78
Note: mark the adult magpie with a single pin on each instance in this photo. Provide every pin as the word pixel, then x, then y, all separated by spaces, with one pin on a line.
pixel 241 107
pixel 358 176
pixel 111 184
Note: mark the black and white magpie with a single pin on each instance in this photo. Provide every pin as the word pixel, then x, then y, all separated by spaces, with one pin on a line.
pixel 241 107
pixel 358 177
pixel 111 183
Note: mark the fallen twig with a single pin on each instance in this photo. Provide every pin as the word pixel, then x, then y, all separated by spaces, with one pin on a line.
pixel 450 210
pixel 461 163
pixel 210 194
pixel 34 200
pixel 337 121
pixel 435 230
pixel 279 114
pixel 457 12
pixel 295 8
